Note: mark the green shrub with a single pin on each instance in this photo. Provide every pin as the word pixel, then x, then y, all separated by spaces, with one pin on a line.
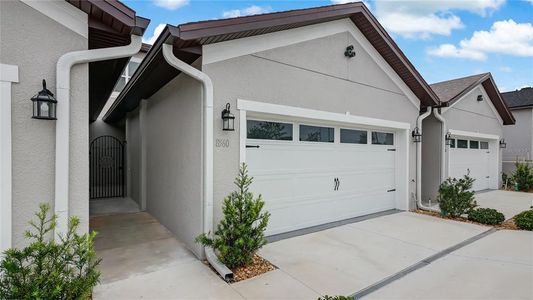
pixel 47 269
pixel 454 197
pixel 524 220
pixel 327 297
pixel 487 216
pixel 241 232
pixel 523 177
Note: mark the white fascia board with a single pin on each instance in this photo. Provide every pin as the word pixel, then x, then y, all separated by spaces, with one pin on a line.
pixel 485 97
pixel 298 112
pixel 63 13
pixel 474 134
pixel 216 52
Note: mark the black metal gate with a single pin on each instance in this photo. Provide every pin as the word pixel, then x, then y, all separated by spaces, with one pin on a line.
pixel 106 167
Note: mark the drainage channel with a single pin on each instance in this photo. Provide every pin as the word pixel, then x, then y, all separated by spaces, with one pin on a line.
pixel 386 281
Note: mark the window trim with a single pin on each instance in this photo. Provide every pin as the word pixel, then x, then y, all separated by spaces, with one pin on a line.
pixel 293 124
pixel 381 131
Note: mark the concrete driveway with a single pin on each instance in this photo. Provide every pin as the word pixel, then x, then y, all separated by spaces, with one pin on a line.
pixel 507 202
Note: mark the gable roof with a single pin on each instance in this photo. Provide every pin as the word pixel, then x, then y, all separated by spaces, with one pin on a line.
pixel 111 24
pixel 189 38
pixel 450 91
pixel 522 98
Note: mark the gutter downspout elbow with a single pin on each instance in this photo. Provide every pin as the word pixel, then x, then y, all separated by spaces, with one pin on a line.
pixel 207 88
pixel 63 68
pixel 419 203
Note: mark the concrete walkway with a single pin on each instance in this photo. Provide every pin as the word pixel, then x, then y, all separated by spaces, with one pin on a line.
pixel 507 202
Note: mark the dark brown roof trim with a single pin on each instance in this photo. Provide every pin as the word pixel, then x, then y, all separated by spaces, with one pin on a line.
pixel 189 38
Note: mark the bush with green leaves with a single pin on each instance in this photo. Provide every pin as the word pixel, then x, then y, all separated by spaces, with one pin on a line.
pixel 455 197
pixel 524 220
pixel 47 269
pixel 523 176
pixel 241 231
pixel 487 216
pixel 327 297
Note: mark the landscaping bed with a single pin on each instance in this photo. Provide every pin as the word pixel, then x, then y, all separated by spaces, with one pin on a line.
pixel 509 224
pixel 257 267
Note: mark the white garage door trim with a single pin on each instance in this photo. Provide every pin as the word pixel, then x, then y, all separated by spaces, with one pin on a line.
pixel 401 130
pixel 495 155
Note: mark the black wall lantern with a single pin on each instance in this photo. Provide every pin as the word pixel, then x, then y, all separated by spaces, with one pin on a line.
pixel 503 144
pixel 349 52
pixel 479 98
pixel 448 139
pixel 228 119
pixel 417 136
pixel 44 104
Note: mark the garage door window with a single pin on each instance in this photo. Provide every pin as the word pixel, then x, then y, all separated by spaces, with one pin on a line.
pixel 474 145
pixel 484 145
pixel 316 134
pixel 350 136
pixel 463 144
pixel 382 138
pixel 264 130
pixel 452 143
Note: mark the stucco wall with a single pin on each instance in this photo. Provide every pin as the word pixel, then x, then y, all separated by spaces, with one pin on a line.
pixel 174 158
pixel 100 128
pixel 519 138
pixel 431 157
pixel 313 74
pixel 34 42
pixel 133 156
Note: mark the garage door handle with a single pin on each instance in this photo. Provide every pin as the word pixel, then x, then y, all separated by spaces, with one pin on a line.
pixel 393 190
pixel 252 146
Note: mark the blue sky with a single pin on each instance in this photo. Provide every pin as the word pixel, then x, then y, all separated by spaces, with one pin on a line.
pixel 443 39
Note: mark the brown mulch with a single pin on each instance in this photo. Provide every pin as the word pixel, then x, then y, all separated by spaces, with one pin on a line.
pixel 257 267
pixel 509 224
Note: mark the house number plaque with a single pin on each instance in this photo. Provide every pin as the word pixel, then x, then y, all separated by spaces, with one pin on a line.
pixel 222 143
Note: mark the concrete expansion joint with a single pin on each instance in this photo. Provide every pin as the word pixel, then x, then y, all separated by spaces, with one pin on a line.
pixel 426 261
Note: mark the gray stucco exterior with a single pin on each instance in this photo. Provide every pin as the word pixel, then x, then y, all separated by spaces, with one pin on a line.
pixel 519 139
pixel 33 141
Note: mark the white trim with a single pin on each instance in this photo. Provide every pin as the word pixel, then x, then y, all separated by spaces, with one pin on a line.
pixel 230 49
pixel 401 135
pixel 306 113
pixel 8 75
pixel 486 99
pixel 462 133
pixel 63 13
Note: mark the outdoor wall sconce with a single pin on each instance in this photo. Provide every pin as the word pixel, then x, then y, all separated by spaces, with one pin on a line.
pixel 349 52
pixel 44 104
pixel 479 98
pixel 417 136
pixel 503 144
pixel 448 139
pixel 228 119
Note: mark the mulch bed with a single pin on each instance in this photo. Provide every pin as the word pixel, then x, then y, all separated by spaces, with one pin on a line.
pixel 509 224
pixel 258 266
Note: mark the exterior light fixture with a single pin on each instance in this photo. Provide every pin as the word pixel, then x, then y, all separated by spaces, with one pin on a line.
pixel 448 139
pixel 417 136
pixel 349 52
pixel 503 144
pixel 479 98
pixel 44 104
pixel 228 119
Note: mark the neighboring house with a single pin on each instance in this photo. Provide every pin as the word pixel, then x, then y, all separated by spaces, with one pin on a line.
pixel 519 138
pixel 79 48
pixel 473 116
pixel 324 104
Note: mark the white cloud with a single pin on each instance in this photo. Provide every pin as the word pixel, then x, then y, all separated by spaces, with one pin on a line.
pixel 157 32
pixel 530 1
pixel 171 4
pixel 250 10
pixel 504 37
pixel 506 69
pixel 424 18
pixel 349 1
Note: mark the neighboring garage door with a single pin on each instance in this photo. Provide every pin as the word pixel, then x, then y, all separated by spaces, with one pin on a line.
pixel 314 174
pixel 471 157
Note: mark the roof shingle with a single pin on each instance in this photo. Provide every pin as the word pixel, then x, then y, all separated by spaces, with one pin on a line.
pixel 448 90
pixel 519 99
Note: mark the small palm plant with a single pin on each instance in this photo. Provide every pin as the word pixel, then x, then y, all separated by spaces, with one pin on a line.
pixel 241 232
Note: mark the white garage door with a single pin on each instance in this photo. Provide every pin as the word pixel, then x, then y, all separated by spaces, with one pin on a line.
pixel 471 157
pixel 310 175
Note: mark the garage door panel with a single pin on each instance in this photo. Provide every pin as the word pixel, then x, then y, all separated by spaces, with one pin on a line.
pixel 472 162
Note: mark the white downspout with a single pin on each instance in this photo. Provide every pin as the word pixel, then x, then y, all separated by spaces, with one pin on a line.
pixel 207 86
pixel 63 67
pixel 443 144
pixel 420 205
